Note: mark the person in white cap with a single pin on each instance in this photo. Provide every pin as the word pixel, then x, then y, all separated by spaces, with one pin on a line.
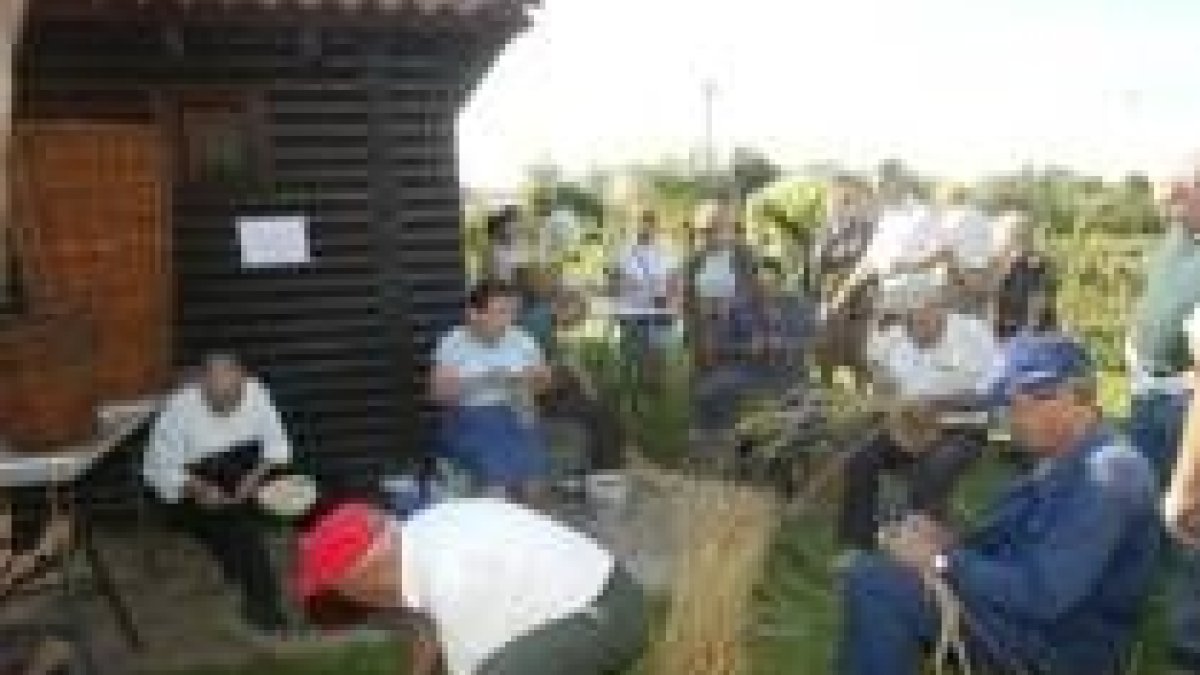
pixel 931 363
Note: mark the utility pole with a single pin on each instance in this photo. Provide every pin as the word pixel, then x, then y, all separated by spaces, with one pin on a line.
pixel 710 92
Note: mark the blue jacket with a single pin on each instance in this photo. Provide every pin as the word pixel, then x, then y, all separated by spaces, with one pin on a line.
pixel 1058 575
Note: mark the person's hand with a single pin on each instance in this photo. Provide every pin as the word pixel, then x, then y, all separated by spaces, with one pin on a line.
pixel 251 483
pixel 916 541
pixel 207 495
pixel 1185 528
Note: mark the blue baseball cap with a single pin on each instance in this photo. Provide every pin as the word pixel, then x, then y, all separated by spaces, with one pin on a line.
pixel 1038 364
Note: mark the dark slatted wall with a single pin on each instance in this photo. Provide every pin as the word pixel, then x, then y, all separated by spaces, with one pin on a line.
pixel 359 135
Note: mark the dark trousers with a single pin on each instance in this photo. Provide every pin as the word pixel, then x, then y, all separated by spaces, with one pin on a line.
pixel 604 638
pixel 929 480
pixel 235 536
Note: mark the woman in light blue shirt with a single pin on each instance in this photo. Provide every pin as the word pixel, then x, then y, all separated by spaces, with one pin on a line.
pixel 488 373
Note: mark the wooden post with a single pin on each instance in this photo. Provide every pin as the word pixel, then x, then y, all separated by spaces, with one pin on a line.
pixel 12 19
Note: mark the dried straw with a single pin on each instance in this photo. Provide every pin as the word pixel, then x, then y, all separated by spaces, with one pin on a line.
pixel 724 532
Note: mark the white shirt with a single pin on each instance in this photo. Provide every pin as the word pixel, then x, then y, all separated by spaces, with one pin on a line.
pixel 646 274
pixel 906 234
pixel 962 362
pixel 188 431
pixel 716 278
pixel 487 572
pixel 967 233
pixel 484 367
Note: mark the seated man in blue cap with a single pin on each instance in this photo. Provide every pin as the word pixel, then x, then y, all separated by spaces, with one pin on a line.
pixel 1055 579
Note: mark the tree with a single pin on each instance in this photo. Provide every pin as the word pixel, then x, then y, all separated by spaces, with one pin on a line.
pixel 752 171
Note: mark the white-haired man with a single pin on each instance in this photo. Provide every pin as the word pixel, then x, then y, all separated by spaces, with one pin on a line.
pixel 932 362
pixel 215 444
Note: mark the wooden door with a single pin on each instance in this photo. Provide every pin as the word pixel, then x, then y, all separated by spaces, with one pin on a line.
pixel 94 238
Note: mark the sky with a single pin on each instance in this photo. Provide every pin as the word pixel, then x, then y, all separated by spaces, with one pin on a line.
pixel 957 88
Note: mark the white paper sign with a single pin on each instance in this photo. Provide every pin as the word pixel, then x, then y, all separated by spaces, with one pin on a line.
pixel 273 240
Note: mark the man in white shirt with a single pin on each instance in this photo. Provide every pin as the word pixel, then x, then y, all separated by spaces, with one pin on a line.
pixel 932 363
pixel 974 248
pixel 649 289
pixel 487 372
pixel 216 442
pixel 506 591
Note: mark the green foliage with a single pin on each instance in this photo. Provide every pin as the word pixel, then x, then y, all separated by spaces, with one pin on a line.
pixel 752 171
pixel 1061 202
pixel 795 207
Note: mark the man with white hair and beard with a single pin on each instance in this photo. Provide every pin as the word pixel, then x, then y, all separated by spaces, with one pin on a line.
pixel 930 363
pixel 216 442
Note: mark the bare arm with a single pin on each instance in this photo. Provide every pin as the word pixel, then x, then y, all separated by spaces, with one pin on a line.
pixel 1182 502
pixel 425 655
pixel 445 383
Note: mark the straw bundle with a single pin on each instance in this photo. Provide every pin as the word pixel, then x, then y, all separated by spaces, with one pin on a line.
pixel 724 534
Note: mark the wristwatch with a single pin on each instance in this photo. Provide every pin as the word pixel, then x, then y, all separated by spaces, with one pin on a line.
pixel 941 563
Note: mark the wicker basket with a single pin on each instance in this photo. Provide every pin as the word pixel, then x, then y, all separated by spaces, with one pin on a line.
pixel 47 367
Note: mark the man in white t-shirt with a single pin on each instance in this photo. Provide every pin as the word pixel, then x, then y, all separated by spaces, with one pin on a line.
pixel 932 363
pixel 216 442
pixel 649 295
pixel 501 589
pixel 487 373
pixel 973 248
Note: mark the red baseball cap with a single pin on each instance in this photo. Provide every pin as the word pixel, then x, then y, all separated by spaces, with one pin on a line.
pixel 332 546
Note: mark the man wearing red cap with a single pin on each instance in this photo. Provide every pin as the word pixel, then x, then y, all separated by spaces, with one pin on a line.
pixel 506 590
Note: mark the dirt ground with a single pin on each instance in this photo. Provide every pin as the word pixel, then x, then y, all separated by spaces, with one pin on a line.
pixel 188 618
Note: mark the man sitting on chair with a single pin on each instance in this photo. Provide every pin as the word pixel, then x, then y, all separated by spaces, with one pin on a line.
pixel 216 442
pixel 1055 579
pixel 487 373
pixel 931 363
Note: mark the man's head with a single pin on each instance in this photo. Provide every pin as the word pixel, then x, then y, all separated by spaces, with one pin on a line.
pixel 719 219
pixel 920 298
pixel 222 382
pixel 1049 386
pixel 492 308
pixel 348 555
pixel 1183 195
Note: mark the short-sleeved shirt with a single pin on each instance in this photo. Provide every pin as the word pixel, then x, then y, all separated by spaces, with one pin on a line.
pixel 1172 290
pixel 483 366
pixel 488 572
pixel 716 278
pixel 646 273
pixel 961 363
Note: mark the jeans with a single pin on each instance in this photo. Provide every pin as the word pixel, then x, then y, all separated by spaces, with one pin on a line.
pixel 889 624
pixel 930 479
pixel 602 639
pixel 887 620
pixel 1156 426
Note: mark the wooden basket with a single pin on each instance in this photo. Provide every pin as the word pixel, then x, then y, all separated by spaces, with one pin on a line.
pixel 47 368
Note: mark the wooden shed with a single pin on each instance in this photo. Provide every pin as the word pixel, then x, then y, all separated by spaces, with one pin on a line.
pixel 277 178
